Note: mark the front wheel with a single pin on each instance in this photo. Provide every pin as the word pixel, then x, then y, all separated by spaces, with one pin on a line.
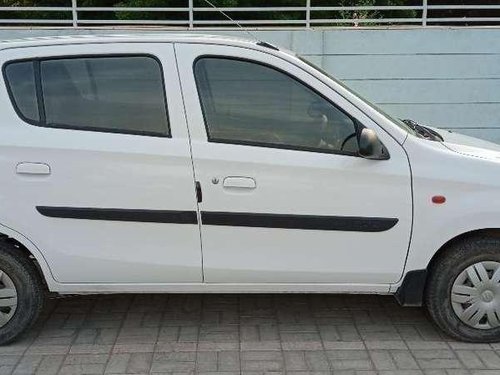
pixel 463 290
pixel 21 292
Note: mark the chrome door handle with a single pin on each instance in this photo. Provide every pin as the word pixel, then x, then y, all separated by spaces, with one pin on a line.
pixel 239 182
pixel 33 168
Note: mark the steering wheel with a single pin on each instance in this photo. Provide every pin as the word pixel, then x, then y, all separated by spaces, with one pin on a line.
pixel 348 138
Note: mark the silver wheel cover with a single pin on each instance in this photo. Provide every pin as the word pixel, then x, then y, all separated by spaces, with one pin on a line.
pixel 475 295
pixel 8 298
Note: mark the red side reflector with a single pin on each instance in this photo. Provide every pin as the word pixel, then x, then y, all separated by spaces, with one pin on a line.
pixel 438 199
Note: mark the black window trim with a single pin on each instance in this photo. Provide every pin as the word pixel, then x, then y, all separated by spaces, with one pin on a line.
pixel 36 61
pixel 357 124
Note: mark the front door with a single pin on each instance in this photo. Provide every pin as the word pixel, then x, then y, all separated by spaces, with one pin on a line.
pixel 286 198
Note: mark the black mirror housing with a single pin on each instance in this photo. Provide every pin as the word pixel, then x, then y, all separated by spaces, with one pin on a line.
pixel 370 146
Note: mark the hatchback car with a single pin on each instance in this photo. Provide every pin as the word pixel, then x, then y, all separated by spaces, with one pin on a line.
pixel 178 164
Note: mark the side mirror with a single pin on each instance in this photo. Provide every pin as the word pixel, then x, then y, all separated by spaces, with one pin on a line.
pixel 370 146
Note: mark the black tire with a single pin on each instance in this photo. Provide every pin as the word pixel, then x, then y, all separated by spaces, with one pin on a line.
pixel 443 273
pixel 30 290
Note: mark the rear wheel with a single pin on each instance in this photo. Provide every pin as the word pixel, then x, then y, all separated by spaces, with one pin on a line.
pixel 463 290
pixel 21 292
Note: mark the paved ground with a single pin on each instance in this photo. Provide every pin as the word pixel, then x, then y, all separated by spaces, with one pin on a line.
pixel 230 334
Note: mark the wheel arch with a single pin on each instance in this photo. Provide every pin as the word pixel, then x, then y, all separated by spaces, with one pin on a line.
pixel 412 288
pixel 28 248
pixel 487 232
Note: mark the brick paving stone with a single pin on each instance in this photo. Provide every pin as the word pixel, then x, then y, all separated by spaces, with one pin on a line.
pixel 174 362
pixel 382 360
pixel 133 348
pixel 6 369
pixel 50 365
pixel 349 360
pixel 90 349
pixel 439 363
pixel 262 361
pixel 295 361
pixel 87 369
pixel 240 334
pixel 260 345
pixel 228 361
pixel 206 361
pixel 490 358
pixel 117 363
pixel 140 363
pixel 317 361
pixel 404 360
pixel 470 359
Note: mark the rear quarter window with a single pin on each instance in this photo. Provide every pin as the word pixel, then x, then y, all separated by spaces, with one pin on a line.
pixel 20 79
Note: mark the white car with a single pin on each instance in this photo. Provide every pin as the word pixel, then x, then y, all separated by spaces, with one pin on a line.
pixel 181 163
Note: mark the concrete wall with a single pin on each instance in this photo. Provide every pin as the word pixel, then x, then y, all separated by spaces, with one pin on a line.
pixel 446 77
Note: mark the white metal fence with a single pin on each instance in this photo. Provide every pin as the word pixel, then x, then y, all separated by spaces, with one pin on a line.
pixel 186 17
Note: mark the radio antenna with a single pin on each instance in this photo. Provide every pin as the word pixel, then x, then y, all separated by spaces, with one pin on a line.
pixel 252 35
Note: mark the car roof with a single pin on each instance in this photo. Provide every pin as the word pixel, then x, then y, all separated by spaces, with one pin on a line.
pixel 134 38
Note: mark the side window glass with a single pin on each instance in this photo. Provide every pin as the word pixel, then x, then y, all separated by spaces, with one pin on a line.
pixel 250 103
pixel 20 77
pixel 120 94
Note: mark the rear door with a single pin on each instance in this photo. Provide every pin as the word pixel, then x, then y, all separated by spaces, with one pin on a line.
pixel 286 197
pixel 96 169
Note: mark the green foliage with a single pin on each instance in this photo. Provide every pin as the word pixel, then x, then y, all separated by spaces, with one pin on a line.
pixel 375 14
pixel 292 15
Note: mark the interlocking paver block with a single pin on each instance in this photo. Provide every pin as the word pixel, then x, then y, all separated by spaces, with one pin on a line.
pixel 349 360
pixel 90 349
pixel 27 365
pixel 317 361
pixel 470 359
pixel 175 361
pixel 240 334
pixel 50 365
pixel 490 358
pixel 262 361
pixel 85 369
pixel 439 363
pixel 228 361
pixel 117 363
pixel 6 369
pixel 139 363
pixel 404 360
pixel 206 361
pixel 295 361
pixel 382 360
pixel 77 359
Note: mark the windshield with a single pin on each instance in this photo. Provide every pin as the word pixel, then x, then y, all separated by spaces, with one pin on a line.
pixel 397 122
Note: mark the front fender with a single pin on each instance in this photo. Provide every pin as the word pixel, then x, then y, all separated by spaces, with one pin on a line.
pixel 471 186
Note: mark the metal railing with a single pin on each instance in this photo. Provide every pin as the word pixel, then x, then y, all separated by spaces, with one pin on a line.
pixel 186 17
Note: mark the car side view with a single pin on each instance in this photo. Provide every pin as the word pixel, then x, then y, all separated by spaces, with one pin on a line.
pixel 178 164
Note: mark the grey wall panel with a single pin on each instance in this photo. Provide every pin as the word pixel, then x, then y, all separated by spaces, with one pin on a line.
pixel 491 134
pixel 463 66
pixel 452 116
pixel 438 91
pixel 412 41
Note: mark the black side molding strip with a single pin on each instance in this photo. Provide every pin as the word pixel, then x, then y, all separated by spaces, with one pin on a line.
pixel 236 219
pixel 120 214
pixel 339 223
